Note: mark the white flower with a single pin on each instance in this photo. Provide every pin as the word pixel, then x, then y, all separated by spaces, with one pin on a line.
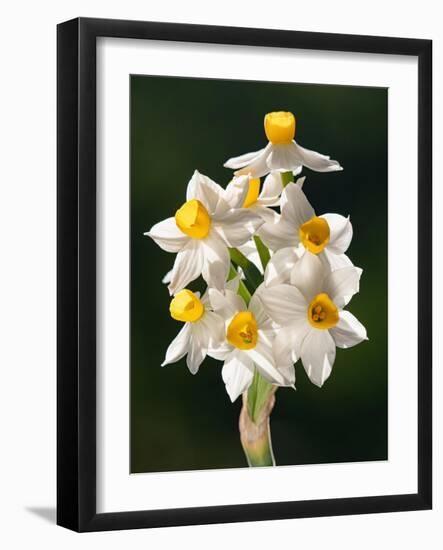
pixel 202 230
pixel 260 202
pixel 249 334
pixel 203 329
pixel 282 153
pixel 299 229
pixel 256 199
pixel 310 312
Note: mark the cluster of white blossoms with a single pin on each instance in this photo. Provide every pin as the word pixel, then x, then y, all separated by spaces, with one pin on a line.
pixel 297 309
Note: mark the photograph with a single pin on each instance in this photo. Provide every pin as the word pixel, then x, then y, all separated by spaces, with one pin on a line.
pixel 221 263
pixel 258 274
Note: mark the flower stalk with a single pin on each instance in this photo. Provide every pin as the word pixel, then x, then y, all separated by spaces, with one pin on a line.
pixel 254 422
pixel 259 399
pixel 287 177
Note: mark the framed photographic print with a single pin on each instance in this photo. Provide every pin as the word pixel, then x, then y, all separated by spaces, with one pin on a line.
pixel 244 274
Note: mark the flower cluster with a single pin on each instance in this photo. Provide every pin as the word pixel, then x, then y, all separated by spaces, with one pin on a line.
pixel 277 274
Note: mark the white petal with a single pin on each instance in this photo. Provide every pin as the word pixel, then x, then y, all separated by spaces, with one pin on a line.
pixel 212 329
pixel 236 191
pixel 237 226
pixel 280 266
pixel 206 191
pixel 233 283
pixel 316 161
pixel 226 303
pixel 216 261
pixel 318 355
pixel 178 348
pixel 288 342
pixel 342 284
pixel 272 189
pixel 340 233
pixel 237 374
pixel 348 331
pixel 295 207
pixel 268 215
pixel 168 236
pixel 263 357
pixel 308 275
pixel 300 181
pixel 242 160
pixel 167 277
pixel 197 348
pixel 334 261
pixel 284 303
pixel 257 166
pixel 284 158
pixel 188 266
pixel 221 352
pixel 256 306
pixel 278 234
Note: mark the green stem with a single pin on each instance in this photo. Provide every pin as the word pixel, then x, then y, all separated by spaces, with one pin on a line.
pixel 287 177
pixel 242 290
pixel 253 276
pixel 259 399
pixel 263 252
pixel 258 393
pixel 255 434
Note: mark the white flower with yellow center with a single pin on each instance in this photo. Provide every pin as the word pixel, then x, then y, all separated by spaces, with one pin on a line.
pixel 259 201
pixel 282 153
pixel 203 329
pixel 249 334
pixel 258 197
pixel 201 232
pixel 311 315
pixel 299 229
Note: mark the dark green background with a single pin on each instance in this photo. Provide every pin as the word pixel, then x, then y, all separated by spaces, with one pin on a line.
pixel 185 422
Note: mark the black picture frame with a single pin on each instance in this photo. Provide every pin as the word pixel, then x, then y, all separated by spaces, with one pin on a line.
pixel 76 279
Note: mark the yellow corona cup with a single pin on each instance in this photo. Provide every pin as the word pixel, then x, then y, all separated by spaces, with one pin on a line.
pixel 314 234
pixel 242 331
pixel 322 312
pixel 193 219
pixel 253 192
pixel 280 127
pixel 186 307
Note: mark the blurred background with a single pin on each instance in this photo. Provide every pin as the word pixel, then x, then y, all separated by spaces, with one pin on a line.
pixel 185 422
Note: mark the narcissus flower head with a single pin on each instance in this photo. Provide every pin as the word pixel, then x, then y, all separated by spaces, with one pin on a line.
pixel 249 334
pixel 203 329
pixel 282 153
pixel 299 229
pixel 310 312
pixel 210 221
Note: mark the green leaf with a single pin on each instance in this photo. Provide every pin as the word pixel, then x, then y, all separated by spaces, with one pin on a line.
pixel 253 276
pixel 263 252
pixel 242 290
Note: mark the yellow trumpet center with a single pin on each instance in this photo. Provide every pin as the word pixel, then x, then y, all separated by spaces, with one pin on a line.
pixel 193 219
pixel 186 307
pixel 322 312
pixel 280 127
pixel 242 331
pixel 253 192
pixel 314 234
